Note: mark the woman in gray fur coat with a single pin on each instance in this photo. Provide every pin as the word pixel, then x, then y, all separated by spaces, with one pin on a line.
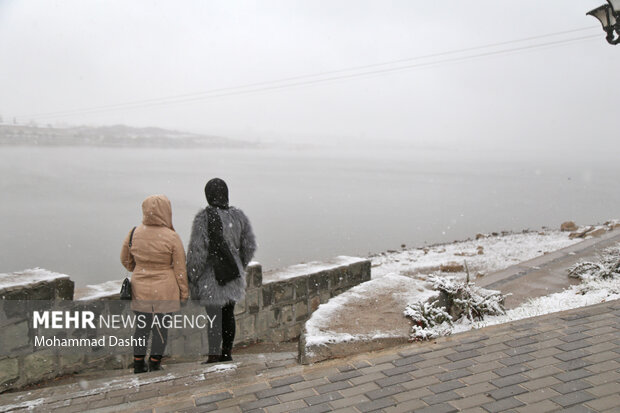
pixel 221 246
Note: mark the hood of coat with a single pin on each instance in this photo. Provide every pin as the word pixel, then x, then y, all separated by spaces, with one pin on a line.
pixel 156 210
pixel 216 192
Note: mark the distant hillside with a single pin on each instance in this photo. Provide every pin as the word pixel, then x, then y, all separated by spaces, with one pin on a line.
pixel 115 136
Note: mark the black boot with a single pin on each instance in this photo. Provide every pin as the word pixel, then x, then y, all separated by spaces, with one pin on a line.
pixel 155 363
pixel 212 359
pixel 139 366
pixel 226 354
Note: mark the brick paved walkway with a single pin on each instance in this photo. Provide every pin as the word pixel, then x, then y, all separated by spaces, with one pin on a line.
pixel 566 361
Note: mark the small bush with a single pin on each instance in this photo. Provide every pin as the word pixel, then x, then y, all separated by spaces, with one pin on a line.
pixel 608 266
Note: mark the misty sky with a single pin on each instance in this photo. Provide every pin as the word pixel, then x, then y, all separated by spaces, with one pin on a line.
pixel 561 98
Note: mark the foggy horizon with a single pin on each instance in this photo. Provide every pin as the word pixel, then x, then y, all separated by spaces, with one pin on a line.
pixel 551 94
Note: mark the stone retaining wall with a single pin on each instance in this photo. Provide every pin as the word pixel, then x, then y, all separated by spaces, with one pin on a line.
pixel 275 309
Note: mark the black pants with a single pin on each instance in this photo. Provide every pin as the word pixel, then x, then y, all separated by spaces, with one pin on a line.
pixel 226 336
pixel 144 330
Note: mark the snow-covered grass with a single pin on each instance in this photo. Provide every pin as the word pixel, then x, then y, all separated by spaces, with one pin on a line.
pixel 318 331
pixel 405 275
pixel 600 283
pixel 483 256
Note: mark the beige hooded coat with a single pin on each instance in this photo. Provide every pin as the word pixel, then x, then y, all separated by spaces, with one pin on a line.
pixel 157 259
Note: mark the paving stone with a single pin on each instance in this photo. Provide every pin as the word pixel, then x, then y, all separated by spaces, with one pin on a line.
pixel 286 407
pixel 570 399
pixel 407 360
pixel 400 370
pixel 573 375
pixel 509 380
pixel 258 404
pixel 296 395
pixel 440 361
pixel 509 371
pixel 542 372
pixel 273 392
pixel 571 355
pixel 468 391
pixel 601 357
pixel 250 389
pixel 479 377
pixel 323 398
pixel 309 383
pixel 467 347
pixel 507 391
pixel 429 371
pixel 384 392
pixel 367 378
pixel 361 364
pixel 363 388
pixel 345 376
pixel 517 351
pixel 441 397
pixel 406 407
pixel 520 342
pixel 540 383
pixel 540 407
pixel 319 408
pixel 502 405
pixel 606 403
pixel 388 381
pixel 286 381
pixel 574 337
pixel 456 374
pixel 604 366
pixel 213 398
pixel 573 364
pixel 574 345
pixel 571 386
pixel 510 361
pixel 537 395
pixel 421 382
pixel 472 401
pixel 327 388
pixel 456 365
pixel 348 401
pixel 446 386
pixel 605 389
pixel 438 408
pixel 412 394
pixel 462 355
pixel 376 404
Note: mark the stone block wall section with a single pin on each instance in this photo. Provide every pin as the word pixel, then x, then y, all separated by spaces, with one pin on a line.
pixel 22 366
pixel 275 309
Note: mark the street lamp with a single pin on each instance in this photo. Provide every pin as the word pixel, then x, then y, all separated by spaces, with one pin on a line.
pixel 609 16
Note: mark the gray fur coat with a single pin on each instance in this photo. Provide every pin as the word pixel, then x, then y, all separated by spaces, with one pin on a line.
pixel 239 237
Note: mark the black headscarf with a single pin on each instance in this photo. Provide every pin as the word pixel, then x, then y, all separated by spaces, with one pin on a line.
pixel 216 192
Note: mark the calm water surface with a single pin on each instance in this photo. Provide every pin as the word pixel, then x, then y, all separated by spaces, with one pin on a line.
pixel 68 209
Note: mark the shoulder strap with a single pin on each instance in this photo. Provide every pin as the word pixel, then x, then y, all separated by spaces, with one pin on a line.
pixel 131 236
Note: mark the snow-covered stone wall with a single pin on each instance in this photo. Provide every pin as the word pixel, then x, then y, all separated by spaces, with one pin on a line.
pixel 275 309
pixel 18 364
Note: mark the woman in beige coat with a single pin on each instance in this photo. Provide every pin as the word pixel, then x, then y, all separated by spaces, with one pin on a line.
pixel 159 279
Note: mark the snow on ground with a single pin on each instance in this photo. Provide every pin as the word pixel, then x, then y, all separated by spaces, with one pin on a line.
pixel 498 252
pixel 28 277
pixel 404 275
pixel 318 331
pixel 589 292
